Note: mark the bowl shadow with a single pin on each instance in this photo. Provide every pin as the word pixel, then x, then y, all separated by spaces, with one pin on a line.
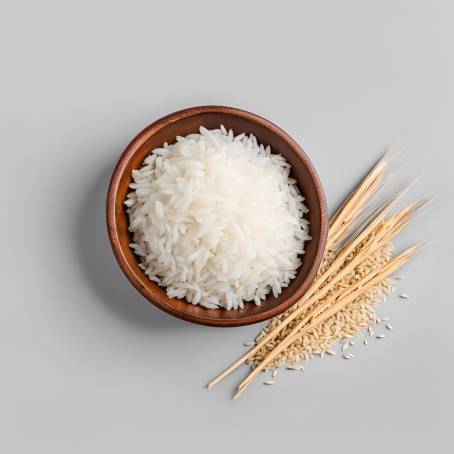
pixel 100 268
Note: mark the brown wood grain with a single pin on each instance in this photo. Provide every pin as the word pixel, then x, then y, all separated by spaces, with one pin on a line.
pixel 183 123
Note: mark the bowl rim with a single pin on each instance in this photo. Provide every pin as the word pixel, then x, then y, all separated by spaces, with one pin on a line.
pixel 113 233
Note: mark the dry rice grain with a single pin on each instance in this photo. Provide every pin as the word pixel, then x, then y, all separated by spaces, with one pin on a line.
pixel 355 318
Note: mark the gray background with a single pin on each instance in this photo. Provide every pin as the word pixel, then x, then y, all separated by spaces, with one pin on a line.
pixel 89 366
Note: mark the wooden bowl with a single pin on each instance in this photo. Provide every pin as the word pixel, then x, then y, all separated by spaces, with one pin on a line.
pixel 183 123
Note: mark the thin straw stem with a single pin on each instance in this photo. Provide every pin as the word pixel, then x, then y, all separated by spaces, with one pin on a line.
pixel 348 212
pixel 320 314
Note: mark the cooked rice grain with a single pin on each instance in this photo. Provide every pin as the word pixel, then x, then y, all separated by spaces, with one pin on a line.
pixel 217 220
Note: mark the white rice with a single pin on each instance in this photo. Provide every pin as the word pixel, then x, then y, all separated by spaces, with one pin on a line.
pixel 217 220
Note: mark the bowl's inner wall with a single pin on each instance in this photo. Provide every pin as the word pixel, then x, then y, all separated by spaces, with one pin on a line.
pixel 190 125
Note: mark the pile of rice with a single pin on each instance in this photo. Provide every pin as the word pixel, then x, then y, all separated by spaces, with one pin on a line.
pixel 216 219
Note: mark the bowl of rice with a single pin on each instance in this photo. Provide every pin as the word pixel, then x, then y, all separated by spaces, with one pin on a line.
pixel 217 216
